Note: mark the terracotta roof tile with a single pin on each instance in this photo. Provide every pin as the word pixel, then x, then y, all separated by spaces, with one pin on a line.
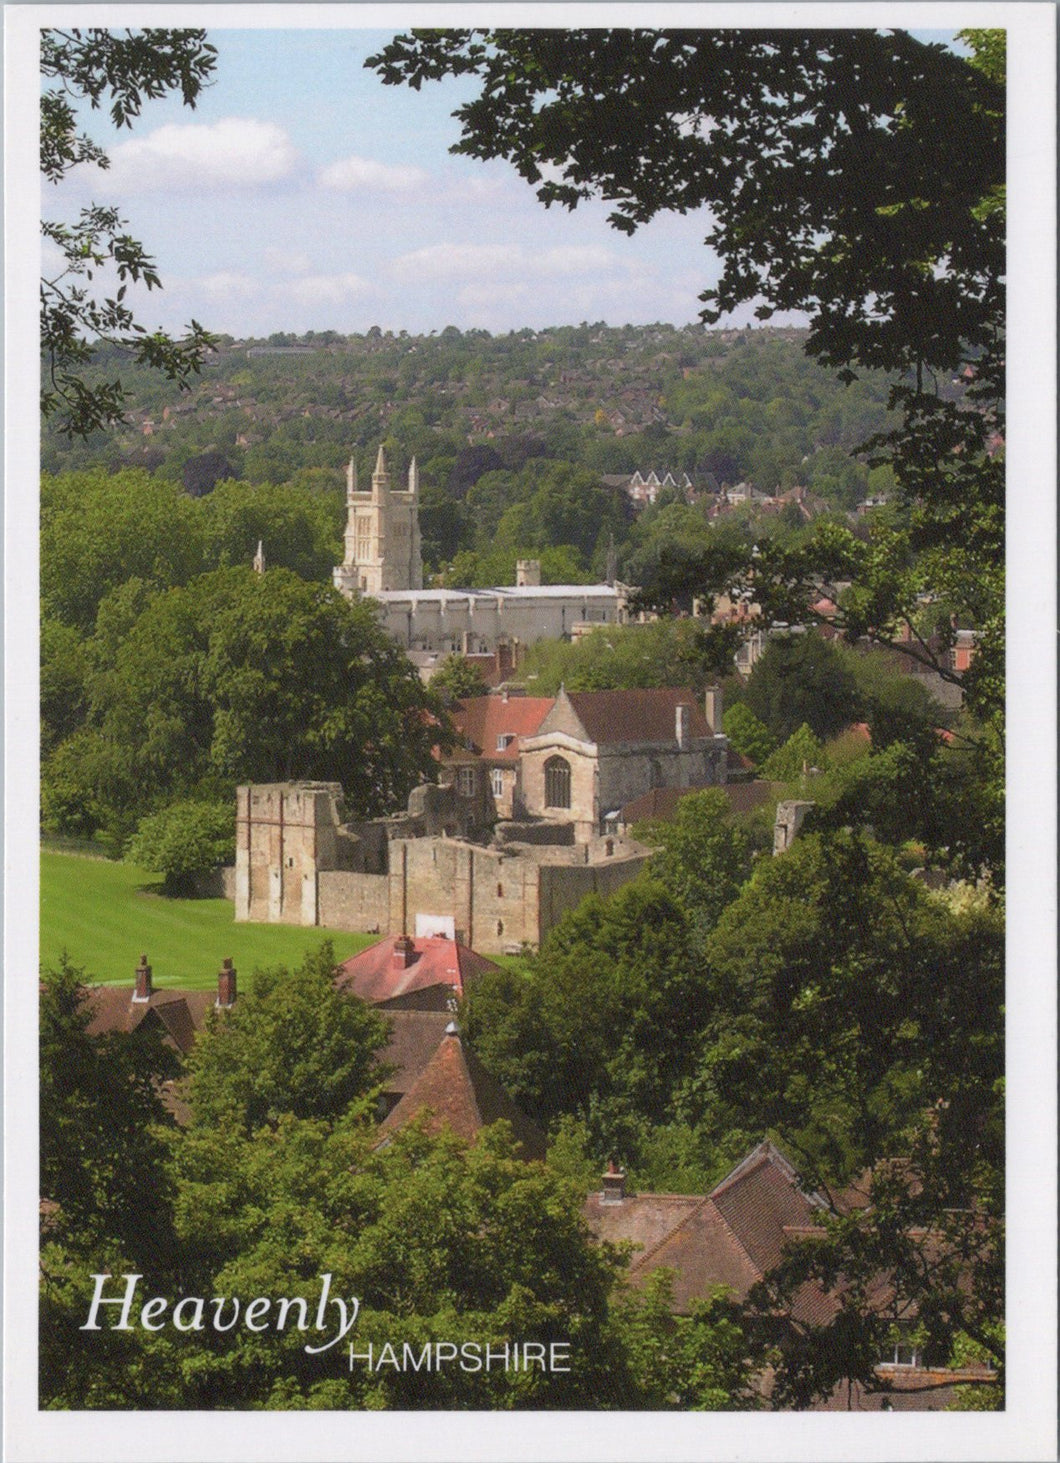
pixel 414 1038
pixel 637 716
pixel 379 975
pixel 460 1094
pixel 483 720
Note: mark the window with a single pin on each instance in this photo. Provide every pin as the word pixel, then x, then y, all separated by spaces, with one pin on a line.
pixel 505 740
pixel 557 783
pixel 465 781
pixel 497 782
pixel 903 1353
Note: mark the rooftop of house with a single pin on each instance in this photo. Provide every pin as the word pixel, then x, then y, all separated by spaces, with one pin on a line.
pixel 394 968
pixel 456 1092
pixel 179 1012
pixel 485 721
pixel 729 1237
pixel 611 717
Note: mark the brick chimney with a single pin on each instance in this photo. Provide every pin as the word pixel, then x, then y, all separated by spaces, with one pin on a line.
pixel 404 951
pixel 682 723
pixel 142 991
pixel 614 1180
pixel 226 985
pixel 713 708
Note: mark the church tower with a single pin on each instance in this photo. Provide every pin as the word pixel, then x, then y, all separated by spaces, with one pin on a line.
pixel 382 535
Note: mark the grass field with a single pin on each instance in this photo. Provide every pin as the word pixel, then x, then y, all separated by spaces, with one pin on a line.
pixel 105 915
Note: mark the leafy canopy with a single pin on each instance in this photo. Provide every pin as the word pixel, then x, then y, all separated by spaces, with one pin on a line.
pixel 122 72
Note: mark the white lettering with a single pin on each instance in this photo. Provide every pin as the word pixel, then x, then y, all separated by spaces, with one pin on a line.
pixel 151 1309
pixel 361 1356
pixel 346 1323
pixel 423 1360
pixel 218 1302
pixel 388 1357
pixel 131 1282
pixel 492 1356
pixel 284 1304
pixel 196 1303
pixel 470 1352
pixel 256 1308
pixel 444 1351
pixel 538 1349
pixel 555 1356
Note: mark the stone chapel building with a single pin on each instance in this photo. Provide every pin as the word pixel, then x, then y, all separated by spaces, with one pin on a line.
pixel 383 559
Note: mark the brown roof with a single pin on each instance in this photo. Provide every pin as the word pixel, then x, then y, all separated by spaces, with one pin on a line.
pixel 458 1093
pixel 414 1039
pixel 481 720
pixel 661 802
pixel 180 1012
pixel 378 975
pixel 729 1237
pixel 636 716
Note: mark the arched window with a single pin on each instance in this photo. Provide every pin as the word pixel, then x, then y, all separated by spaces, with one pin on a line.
pixel 557 783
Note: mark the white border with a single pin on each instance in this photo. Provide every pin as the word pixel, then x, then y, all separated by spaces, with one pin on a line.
pixel 1028 1429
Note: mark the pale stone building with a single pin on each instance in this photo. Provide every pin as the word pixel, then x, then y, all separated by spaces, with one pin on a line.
pixel 382 535
pixel 383 560
pixel 596 751
pixel 298 862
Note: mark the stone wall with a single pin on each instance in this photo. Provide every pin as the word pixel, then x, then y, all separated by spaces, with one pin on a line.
pixel 354 901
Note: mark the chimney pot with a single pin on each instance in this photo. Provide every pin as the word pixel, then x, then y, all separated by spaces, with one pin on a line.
pixel 142 991
pixel 682 723
pixel 614 1189
pixel 404 951
pixel 226 985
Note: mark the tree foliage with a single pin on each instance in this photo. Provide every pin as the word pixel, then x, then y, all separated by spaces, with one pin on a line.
pixel 184 841
pixel 122 72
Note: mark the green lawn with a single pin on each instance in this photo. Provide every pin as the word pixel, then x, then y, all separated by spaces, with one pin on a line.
pixel 105 915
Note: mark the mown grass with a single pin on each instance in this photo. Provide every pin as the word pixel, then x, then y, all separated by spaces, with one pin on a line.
pixel 105 915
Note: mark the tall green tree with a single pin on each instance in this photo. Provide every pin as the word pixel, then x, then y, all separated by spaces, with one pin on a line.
pixel 121 72
pixel 235 677
pixel 855 175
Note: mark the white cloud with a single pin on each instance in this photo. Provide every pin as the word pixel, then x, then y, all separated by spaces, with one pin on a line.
pixel 361 173
pixel 233 152
pixel 458 261
pixel 473 261
pixel 228 284
pixel 328 289
pixel 286 261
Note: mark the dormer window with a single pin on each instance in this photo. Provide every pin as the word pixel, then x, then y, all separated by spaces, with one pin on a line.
pixel 504 740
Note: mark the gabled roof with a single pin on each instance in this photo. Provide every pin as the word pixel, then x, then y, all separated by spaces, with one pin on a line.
pixel 180 1012
pixel 380 974
pixel 483 720
pixel 611 717
pixel 729 1237
pixel 414 1038
pixel 458 1093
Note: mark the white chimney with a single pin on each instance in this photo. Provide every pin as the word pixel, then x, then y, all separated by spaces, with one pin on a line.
pixel 713 708
pixel 682 723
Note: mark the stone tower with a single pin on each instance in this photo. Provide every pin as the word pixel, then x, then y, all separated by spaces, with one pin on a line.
pixel 382 534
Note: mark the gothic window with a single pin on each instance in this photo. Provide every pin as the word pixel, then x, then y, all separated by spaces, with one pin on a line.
pixel 557 783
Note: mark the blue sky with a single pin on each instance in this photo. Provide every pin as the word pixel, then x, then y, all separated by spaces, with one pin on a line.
pixel 303 194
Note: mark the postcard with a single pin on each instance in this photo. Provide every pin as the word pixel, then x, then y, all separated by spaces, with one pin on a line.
pixel 530 732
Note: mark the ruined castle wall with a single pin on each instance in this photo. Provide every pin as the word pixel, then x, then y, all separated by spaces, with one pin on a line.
pixel 565 885
pixel 492 897
pixel 348 901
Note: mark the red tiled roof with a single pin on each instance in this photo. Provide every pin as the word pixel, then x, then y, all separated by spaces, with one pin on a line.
pixel 459 1093
pixel 661 802
pixel 483 719
pixel 637 716
pixel 377 975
